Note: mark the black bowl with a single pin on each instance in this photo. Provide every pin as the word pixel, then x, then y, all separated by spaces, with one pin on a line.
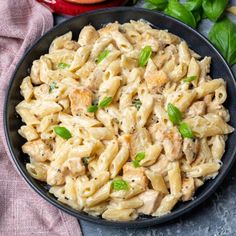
pixel 195 40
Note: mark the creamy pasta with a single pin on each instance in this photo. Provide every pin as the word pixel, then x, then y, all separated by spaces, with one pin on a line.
pixel 125 121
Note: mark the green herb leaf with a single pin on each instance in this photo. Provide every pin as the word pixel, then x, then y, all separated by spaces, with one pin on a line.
pixel 174 114
pixel 63 65
pixel 52 86
pixel 62 132
pixel 179 11
pixel 102 55
pixel 192 5
pixel 223 36
pixel 144 55
pixel 137 103
pixel 156 4
pixel 213 9
pixel 190 79
pixel 92 108
pixel 85 161
pixel 139 157
pixel 120 184
pixel 105 102
pixel 197 15
pixel 185 130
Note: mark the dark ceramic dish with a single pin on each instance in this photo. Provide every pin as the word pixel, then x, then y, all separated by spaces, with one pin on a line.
pixel 196 41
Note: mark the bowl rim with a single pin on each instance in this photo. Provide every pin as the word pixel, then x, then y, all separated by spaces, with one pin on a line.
pixel 81 215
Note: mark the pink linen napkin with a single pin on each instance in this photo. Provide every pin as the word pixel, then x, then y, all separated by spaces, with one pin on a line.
pixel 22 211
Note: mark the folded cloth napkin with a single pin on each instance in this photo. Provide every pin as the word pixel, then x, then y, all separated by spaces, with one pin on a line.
pixel 22 211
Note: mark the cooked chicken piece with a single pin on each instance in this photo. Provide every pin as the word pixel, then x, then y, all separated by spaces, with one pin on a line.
pixel 139 141
pixel 197 108
pixel 55 176
pixel 172 144
pixel 151 200
pixel 136 175
pixel 81 99
pixel 34 74
pixel 188 189
pixel 74 165
pixel 37 150
pixel 191 149
pixel 59 42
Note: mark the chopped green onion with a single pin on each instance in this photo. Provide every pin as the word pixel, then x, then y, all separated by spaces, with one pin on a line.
pixel 137 103
pixel 185 130
pixel 85 161
pixel 62 132
pixel 139 157
pixel 174 114
pixel 105 102
pixel 144 55
pixel 190 79
pixel 92 108
pixel 63 65
pixel 120 184
pixel 102 56
pixel 52 86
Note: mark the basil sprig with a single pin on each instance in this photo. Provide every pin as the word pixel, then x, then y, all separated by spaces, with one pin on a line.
pixel 52 86
pixel 213 9
pixel 104 103
pixel 63 65
pixel 62 132
pixel 223 36
pixel 190 79
pixel 156 4
pixel 139 157
pixel 102 55
pixel 185 130
pixel 174 114
pixel 144 55
pixel 179 11
pixel 119 184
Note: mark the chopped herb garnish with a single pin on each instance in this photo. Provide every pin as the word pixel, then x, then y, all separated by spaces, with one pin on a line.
pixel 105 102
pixel 139 157
pixel 92 108
pixel 120 184
pixel 185 130
pixel 102 55
pixel 144 56
pixel 85 161
pixel 63 65
pixel 174 114
pixel 52 86
pixel 137 103
pixel 62 132
pixel 190 79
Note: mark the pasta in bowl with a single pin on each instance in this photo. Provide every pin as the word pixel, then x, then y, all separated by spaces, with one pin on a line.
pixel 125 121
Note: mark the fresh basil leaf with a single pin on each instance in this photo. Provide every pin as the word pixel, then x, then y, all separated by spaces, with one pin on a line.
pixel 144 55
pixel 214 8
pixel 197 15
pixel 150 6
pixel 52 86
pixel 119 184
pixel 62 132
pixel 139 157
pixel 179 11
pixel 158 4
pixel 85 161
pixel 105 102
pixel 137 103
pixel 102 56
pixel 174 114
pixel 185 130
pixel 190 79
pixel 63 65
pixel 192 5
pixel 92 108
pixel 223 36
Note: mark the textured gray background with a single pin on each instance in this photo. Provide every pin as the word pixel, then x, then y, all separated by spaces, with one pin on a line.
pixel 215 217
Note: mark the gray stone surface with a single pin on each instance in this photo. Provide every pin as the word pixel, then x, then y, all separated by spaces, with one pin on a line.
pixel 215 217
